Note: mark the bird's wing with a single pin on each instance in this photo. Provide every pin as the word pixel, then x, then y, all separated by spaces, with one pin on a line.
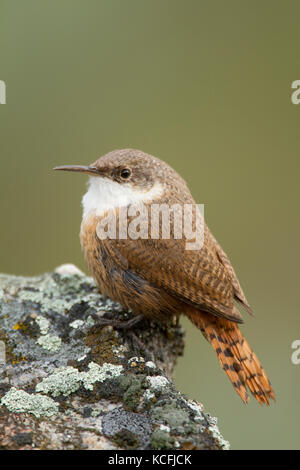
pixel 195 277
pixel 238 291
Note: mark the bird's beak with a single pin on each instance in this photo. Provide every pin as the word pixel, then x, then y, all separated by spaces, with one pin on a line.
pixel 91 170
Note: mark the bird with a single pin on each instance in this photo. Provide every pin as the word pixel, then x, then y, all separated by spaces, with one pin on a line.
pixel 157 277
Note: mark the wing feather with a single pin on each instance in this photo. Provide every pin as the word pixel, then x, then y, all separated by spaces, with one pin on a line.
pixel 197 278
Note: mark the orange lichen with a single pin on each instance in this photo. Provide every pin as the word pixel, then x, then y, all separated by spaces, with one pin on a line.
pixel 19 326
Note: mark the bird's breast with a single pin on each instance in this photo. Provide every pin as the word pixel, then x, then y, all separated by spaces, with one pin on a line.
pixel 115 278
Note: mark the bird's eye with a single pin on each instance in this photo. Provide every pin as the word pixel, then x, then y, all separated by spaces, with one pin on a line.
pixel 125 173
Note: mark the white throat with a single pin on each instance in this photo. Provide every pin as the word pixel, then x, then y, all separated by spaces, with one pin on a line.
pixel 104 194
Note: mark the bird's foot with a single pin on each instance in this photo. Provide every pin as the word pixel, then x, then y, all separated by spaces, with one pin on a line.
pixel 127 325
pixel 119 324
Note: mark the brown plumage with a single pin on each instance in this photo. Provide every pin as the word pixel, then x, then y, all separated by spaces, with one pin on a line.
pixel 159 278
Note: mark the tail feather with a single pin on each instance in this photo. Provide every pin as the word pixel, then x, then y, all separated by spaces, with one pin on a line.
pixel 235 356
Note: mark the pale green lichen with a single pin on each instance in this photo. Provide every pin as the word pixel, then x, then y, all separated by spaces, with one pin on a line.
pixel 89 321
pixel 213 428
pixel 48 302
pixel 196 407
pixel 150 364
pixel 148 395
pixel 164 428
pixel 51 343
pixel 67 380
pixel 77 324
pixel 19 401
pixel 43 324
pixel 55 294
pixel 158 382
pixel 51 296
pixel 99 374
pixel 81 358
pixel 64 381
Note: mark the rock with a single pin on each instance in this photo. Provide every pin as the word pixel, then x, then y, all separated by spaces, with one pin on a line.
pixel 68 383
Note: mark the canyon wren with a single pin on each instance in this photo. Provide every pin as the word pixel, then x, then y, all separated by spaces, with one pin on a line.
pixel 159 278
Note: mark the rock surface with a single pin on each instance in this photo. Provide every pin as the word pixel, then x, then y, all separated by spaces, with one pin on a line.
pixel 68 383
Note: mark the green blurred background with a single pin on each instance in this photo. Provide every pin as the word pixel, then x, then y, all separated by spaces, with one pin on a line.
pixel 204 85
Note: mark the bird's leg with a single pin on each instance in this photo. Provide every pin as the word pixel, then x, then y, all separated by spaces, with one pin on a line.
pixel 119 324
pixel 141 345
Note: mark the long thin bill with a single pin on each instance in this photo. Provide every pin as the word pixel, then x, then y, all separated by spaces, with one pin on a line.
pixel 78 168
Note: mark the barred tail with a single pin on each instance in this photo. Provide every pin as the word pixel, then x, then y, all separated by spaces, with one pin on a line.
pixel 235 355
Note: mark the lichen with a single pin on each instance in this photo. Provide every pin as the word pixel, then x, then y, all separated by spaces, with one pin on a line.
pixel 197 410
pixel 77 324
pixel 136 360
pixel 64 381
pixel 162 440
pixel 51 343
pixel 148 395
pixel 53 292
pixel 126 439
pixel 171 415
pixel 157 383
pixel 164 428
pixel 19 326
pixel 138 424
pixel 132 386
pixel 98 373
pixel 214 430
pixel 19 401
pixel 43 324
pixel 93 377
pixel 67 380
pixel 150 364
